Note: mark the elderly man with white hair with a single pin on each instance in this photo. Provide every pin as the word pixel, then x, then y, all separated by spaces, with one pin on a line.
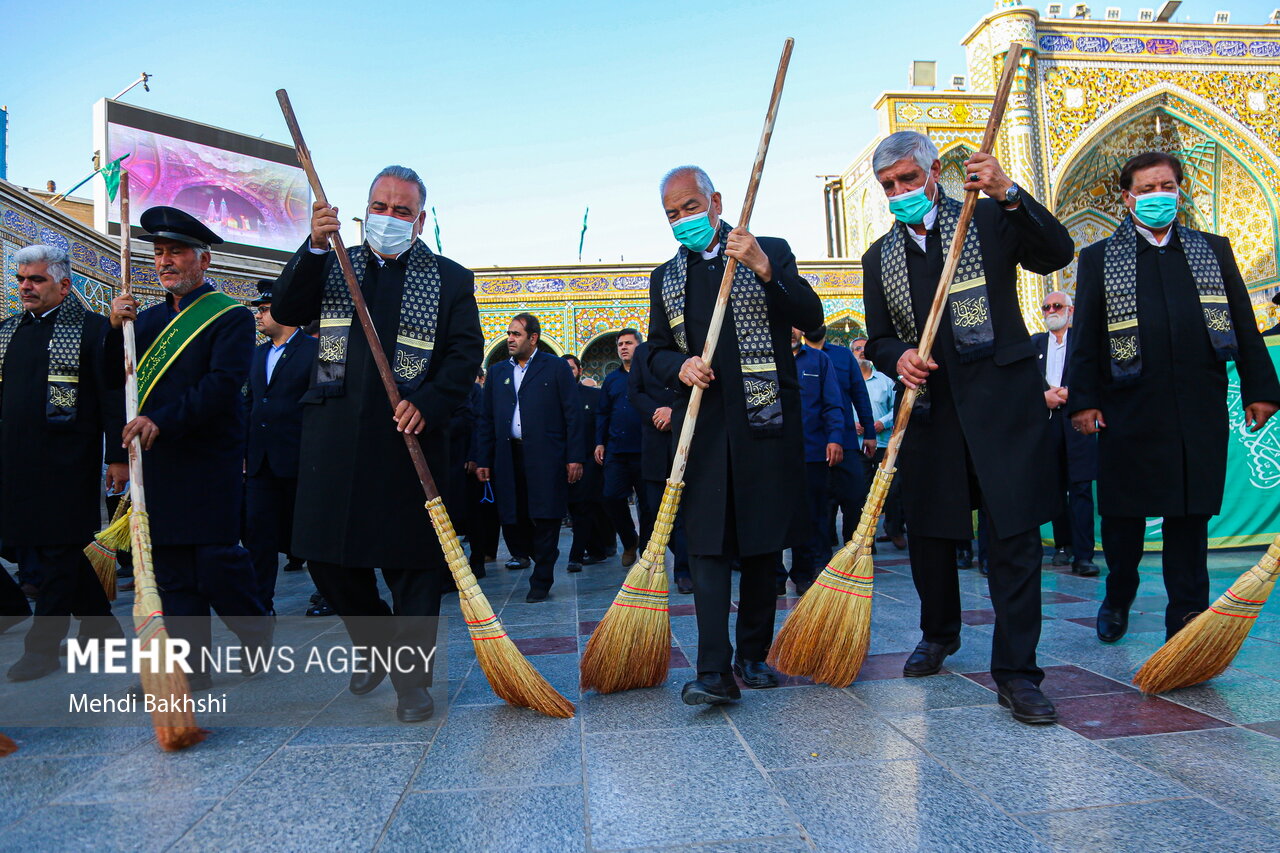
pixel 980 434
pixel 55 416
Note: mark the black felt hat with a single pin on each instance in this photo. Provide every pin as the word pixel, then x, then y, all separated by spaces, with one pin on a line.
pixel 264 292
pixel 169 223
pixel 1276 298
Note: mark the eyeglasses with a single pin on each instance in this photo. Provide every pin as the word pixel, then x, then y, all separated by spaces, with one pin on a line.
pixel 1053 306
pixel 264 309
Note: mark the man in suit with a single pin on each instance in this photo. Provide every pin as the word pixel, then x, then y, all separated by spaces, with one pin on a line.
pixel 279 376
pixel 529 444
pixel 745 475
pixel 654 401
pixel 980 435
pixel 55 414
pixel 1077 453
pixel 482 535
pixel 618 445
pixel 191 424
pixel 360 504
pixel 1161 308
pixel 586 495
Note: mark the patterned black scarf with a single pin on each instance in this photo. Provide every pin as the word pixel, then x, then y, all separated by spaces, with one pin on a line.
pixel 750 308
pixel 64 358
pixel 1120 285
pixel 416 337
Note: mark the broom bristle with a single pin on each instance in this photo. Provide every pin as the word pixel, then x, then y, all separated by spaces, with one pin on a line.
pixel 174 722
pixel 104 566
pixel 7 746
pixel 510 674
pixel 1211 641
pixel 631 647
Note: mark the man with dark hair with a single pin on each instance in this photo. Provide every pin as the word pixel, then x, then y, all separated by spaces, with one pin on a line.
pixel 359 504
pixel 482 536
pixel 55 414
pixel 529 443
pixel 745 476
pixel 585 495
pixel 1160 309
pixel 980 435
pixel 618 437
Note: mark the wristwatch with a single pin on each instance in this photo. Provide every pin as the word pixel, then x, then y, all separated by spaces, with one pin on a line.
pixel 1012 196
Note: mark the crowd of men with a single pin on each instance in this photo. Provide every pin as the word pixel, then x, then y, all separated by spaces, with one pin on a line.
pixel 290 447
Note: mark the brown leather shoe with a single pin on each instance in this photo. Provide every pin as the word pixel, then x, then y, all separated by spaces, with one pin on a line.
pixel 628 557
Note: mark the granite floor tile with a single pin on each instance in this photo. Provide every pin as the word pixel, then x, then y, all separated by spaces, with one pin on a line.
pixel 1237 768
pixel 1063 681
pixel 28 783
pixel 53 741
pixel 560 670
pixel 1235 697
pixel 547 645
pixel 1030 768
pixel 823 726
pixel 1168 826
pixel 677 786
pixel 366 780
pixel 879 667
pixel 1139 623
pixel 497 746
pixel 788 844
pixel 943 690
pixel 516 820
pixel 652 708
pixel 106 827
pixel 1271 727
pixel 897 806
pixel 1129 714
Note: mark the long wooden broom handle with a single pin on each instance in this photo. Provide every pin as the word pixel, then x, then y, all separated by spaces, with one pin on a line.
pixel 731 265
pixel 357 297
pixel 938 307
pixel 137 494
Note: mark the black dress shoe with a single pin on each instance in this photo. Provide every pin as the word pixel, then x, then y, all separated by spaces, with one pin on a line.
pixel 319 607
pixel 413 705
pixel 592 560
pixel 1028 704
pixel 756 674
pixel 1060 558
pixel 575 567
pixel 780 587
pixel 478 572
pixel 1113 622
pixel 32 666
pixel 927 658
pixel 983 568
pixel 802 588
pixel 684 585
pixel 711 688
pixel 964 558
pixel 294 566
pixel 7 622
pixel 1084 568
pixel 363 682
pixel 517 563
pixel 535 596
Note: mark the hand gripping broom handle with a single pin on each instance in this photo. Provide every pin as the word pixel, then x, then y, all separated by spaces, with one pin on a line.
pixel 731 265
pixel 936 310
pixel 137 494
pixel 362 310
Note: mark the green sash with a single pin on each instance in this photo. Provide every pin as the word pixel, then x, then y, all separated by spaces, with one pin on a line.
pixel 181 330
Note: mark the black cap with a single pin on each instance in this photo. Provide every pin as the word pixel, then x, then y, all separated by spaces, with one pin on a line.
pixel 1276 298
pixel 169 223
pixel 264 292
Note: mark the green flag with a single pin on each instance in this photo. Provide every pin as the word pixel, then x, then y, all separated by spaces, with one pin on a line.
pixel 111 174
pixel 583 236
pixel 434 219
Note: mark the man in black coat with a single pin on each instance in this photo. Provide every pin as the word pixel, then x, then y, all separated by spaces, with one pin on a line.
pixel 1077 453
pixel 586 495
pixel 360 504
pixel 980 435
pixel 191 424
pixel 482 512
pixel 654 402
pixel 279 376
pixel 54 415
pixel 1161 308
pixel 745 474
pixel 618 445
pixel 529 444
pixel 1274 330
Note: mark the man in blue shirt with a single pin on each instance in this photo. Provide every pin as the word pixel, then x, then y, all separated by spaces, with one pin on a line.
pixel 882 390
pixel 847 485
pixel 822 420
pixel 618 443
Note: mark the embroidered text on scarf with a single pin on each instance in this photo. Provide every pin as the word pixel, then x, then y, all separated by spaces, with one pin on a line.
pixel 64 358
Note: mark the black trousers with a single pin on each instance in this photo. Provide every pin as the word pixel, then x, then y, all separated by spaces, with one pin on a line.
pixel 410 622
pixel 810 548
pixel 195 578
pixel 12 601
pixel 483 515
pixel 846 492
pixel 70 588
pixel 268 528
pixel 586 536
pixel 894 515
pixel 542 534
pixel 622 479
pixel 1014 581
pixel 1075 524
pixel 1185 561
pixel 712 590
pixel 679 543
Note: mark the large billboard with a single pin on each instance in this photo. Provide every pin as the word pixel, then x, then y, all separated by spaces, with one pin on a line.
pixel 249 191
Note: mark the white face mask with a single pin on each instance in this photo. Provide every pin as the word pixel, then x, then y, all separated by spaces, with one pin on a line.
pixel 387 235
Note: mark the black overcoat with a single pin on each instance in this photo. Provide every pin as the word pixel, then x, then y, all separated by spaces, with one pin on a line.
pixel 740 489
pixel 51 491
pixel 987 417
pixel 1082 450
pixel 1164 451
pixel 590 487
pixel 359 500
pixel 648 395
pixel 194 473
pixel 275 413
pixel 551 430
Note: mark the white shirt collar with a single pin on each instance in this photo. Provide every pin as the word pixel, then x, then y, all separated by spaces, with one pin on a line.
pixel 1149 236
pixel 714 251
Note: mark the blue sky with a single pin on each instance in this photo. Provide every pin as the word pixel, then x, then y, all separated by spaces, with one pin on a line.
pixel 517 115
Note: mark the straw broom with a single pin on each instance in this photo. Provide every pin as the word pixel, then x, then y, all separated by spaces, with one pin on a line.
pixel 103 549
pixel 631 647
pixel 175 726
pixel 1208 644
pixel 510 675
pixel 826 635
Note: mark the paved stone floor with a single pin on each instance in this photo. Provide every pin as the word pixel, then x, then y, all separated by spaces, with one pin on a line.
pixel 887 764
